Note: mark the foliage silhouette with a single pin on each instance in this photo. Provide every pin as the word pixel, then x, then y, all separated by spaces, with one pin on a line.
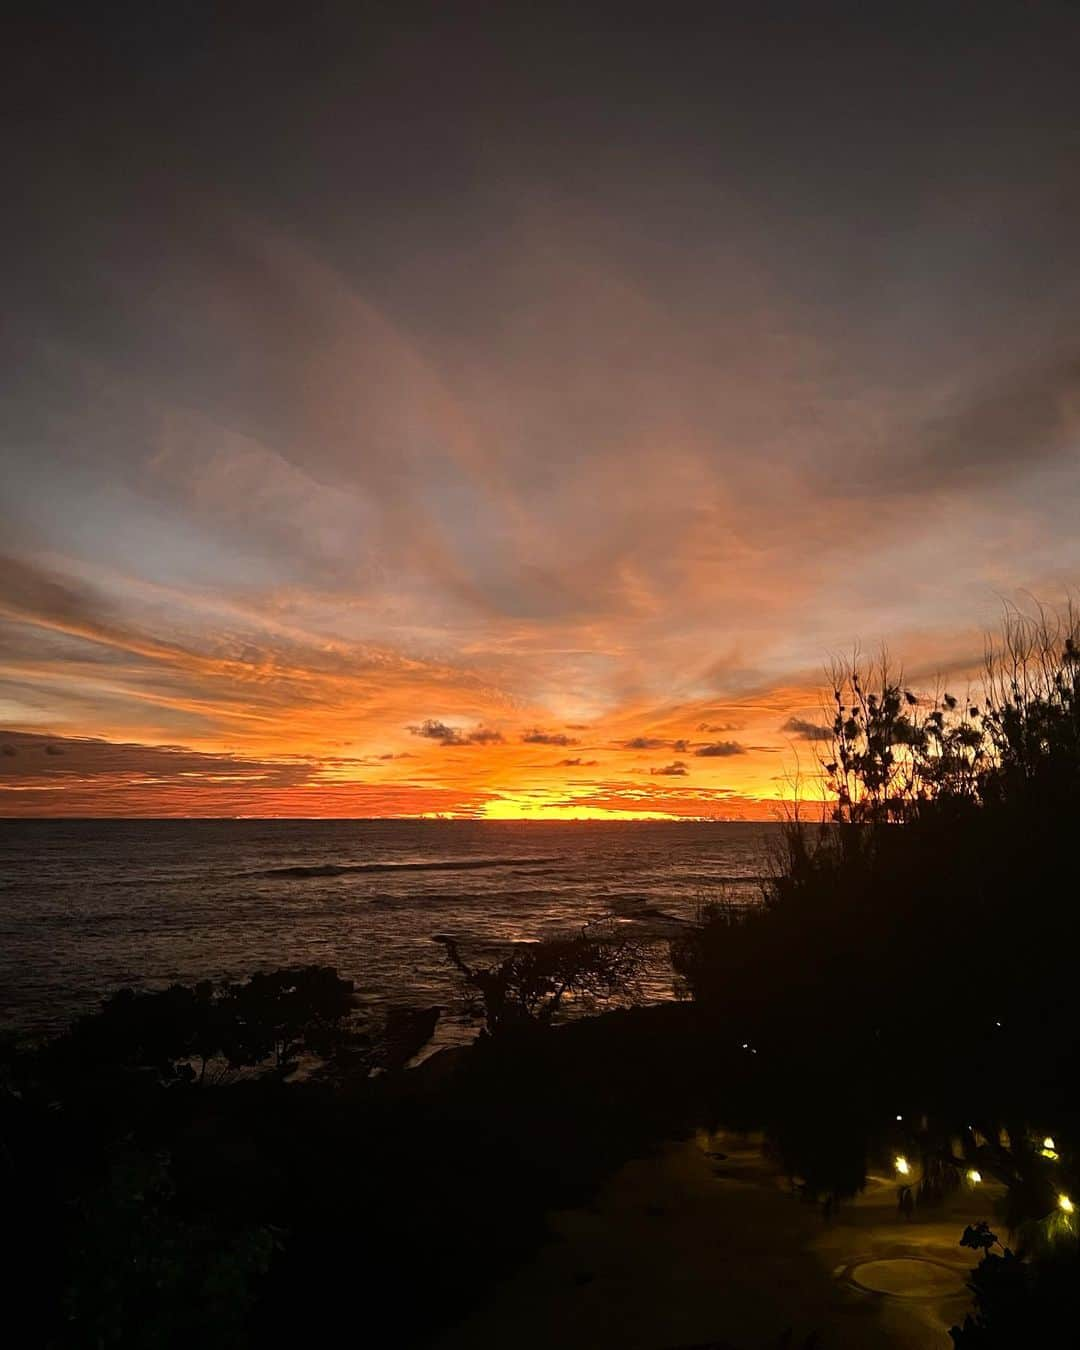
pixel 921 943
pixel 1021 1302
pixel 273 1018
pixel 527 990
pixel 282 1014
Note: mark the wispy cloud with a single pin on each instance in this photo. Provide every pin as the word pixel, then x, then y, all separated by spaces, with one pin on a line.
pixel 312 524
pixel 94 777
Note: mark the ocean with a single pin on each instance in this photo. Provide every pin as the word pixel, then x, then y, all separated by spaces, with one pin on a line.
pixel 88 906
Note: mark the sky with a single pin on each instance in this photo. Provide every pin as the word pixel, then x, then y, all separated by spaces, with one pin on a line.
pixel 436 411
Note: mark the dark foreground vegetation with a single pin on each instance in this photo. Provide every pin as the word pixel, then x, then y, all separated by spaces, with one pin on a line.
pixel 915 957
pixel 255 1164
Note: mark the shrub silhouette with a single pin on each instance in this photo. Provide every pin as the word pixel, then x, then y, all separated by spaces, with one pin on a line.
pixel 273 1019
pixel 528 989
pixel 1020 1302
pixel 282 1014
pixel 163 1030
pixel 920 945
pixel 947 816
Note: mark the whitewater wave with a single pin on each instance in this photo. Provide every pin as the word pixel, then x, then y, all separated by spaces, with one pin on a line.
pixel 442 865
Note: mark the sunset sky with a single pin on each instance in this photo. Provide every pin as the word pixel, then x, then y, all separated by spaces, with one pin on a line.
pixel 416 413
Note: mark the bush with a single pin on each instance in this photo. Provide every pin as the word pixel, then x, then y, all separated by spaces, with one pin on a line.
pixel 1020 1302
pixel 948 860
pixel 271 1020
pixel 919 945
pixel 528 989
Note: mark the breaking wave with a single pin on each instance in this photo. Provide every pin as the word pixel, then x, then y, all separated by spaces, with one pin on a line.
pixel 443 865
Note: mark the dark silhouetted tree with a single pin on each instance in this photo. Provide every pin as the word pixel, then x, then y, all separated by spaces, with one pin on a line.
pixel 282 1014
pixel 528 988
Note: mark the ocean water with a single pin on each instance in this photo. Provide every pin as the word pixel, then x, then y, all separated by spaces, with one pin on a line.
pixel 89 906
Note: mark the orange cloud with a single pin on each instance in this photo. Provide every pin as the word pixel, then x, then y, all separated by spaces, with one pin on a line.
pixel 365 549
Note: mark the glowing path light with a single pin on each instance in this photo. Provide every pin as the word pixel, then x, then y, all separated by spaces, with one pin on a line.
pixel 1065 1204
pixel 903 1166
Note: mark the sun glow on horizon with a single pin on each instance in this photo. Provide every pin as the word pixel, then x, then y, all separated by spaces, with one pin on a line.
pixel 511 809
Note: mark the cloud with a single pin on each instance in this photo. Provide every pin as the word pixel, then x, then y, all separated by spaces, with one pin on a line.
pixel 432 730
pixel 1029 414
pixel 670 798
pixel 538 737
pixel 88 759
pixel 443 505
pixel 804 730
pixel 8 750
pixel 203 662
pixel 484 736
pixel 577 763
pixel 675 770
pixel 105 778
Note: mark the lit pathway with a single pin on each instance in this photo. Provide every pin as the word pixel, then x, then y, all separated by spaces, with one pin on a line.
pixel 683 1250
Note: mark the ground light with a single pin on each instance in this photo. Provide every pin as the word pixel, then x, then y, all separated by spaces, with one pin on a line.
pixel 1064 1203
pixel 903 1166
pixel 974 1177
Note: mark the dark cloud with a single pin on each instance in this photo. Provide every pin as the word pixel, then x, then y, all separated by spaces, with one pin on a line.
pixel 484 736
pixel 538 737
pixel 29 592
pixel 716 728
pixel 681 747
pixel 804 730
pixel 675 770
pixel 1027 416
pixel 403 755
pixel 88 760
pixel 433 730
pixel 645 743
pixel 577 763
pixel 720 750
